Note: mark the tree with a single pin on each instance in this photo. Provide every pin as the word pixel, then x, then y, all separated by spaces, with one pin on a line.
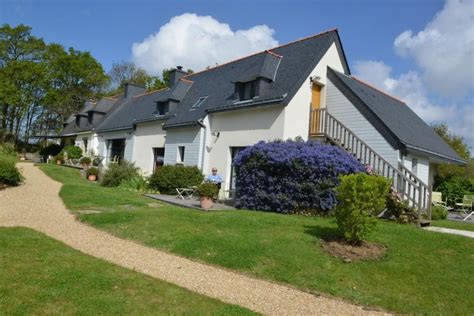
pixel 41 84
pixel 125 71
pixel 457 143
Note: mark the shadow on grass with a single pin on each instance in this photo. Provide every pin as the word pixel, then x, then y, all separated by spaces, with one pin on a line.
pixel 322 232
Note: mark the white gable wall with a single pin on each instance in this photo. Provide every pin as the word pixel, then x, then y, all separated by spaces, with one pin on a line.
pixel 92 143
pixel 240 128
pixel 343 110
pixel 147 136
pixel 298 110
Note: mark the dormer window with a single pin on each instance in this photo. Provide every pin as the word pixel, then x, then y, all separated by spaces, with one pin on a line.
pixel 199 102
pixel 246 90
pixel 78 120
pixel 90 117
pixel 162 107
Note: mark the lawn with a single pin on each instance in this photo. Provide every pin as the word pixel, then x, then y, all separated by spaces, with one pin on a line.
pixel 41 276
pixel 453 224
pixel 422 272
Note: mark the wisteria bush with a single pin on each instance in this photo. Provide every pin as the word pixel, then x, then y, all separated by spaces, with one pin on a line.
pixel 291 176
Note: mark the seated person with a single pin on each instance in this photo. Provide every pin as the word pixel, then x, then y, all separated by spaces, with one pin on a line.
pixel 215 178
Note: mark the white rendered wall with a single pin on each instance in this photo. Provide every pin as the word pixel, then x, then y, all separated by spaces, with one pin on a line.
pixel 240 129
pixel 343 110
pixel 297 112
pixel 129 139
pixel 146 137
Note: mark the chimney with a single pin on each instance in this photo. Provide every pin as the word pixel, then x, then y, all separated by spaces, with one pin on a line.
pixel 175 74
pixel 132 90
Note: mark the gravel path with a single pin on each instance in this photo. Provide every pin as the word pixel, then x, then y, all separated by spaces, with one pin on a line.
pixel 36 205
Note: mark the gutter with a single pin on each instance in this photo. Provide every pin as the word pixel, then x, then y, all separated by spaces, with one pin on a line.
pixel 452 159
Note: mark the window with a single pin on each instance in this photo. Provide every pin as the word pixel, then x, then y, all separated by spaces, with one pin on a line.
pixel 414 165
pixel 180 154
pixel 247 90
pixel 199 102
pixel 90 117
pixel 162 108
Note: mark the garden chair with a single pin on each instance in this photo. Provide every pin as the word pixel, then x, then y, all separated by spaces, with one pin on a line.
pixel 436 199
pixel 464 206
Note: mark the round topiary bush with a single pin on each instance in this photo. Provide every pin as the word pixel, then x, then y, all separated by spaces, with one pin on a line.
pixel 73 152
pixel 169 177
pixel 291 176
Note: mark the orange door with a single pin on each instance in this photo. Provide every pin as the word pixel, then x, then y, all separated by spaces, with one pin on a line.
pixel 315 105
pixel 315 96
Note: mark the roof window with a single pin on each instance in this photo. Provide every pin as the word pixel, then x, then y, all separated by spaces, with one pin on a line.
pixel 199 102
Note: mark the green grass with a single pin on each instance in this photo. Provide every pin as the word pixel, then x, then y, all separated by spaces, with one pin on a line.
pixel 41 276
pixel 453 224
pixel 422 272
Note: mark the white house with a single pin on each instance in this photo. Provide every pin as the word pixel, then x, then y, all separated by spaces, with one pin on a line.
pixel 300 89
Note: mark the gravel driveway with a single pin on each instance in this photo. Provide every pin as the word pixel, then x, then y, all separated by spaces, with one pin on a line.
pixel 36 205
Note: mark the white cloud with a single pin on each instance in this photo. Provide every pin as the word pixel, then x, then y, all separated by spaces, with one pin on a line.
pixel 444 50
pixel 408 87
pixel 197 42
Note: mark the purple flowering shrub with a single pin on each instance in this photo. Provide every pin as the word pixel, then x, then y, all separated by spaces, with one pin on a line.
pixel 291 176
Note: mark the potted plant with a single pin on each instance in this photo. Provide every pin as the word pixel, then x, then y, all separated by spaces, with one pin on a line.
pixel 85 162
pixel 207 191
pixel 92 173
pixel 59 159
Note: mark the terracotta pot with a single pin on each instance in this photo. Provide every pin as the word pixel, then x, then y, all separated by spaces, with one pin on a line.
pixel 92 177
pixel 206 203
pixel 58 162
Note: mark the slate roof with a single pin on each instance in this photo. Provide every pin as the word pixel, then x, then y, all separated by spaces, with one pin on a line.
pixel 393 118
pixel 128 112
pixel 289 65
pixel 102 107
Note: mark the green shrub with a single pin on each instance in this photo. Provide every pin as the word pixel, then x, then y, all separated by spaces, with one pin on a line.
pixel 136 184
pixel 455 188
pixel 438 212
pixel 207 190
pixel 7 149
pixel 52 150
pixel 169 177
pixel 93 171
pixel 85 161
pixel 116 173
pixel 9 174
pixel 73 152
pixel 361 197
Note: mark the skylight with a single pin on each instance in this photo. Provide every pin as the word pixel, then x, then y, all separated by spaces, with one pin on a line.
pixel 199 102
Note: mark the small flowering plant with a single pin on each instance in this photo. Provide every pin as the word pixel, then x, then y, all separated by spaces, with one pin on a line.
pixel 291 176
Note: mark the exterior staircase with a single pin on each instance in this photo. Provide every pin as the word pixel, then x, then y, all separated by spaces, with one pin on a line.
pixel 406 184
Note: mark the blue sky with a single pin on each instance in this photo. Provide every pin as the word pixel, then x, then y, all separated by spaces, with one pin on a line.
pixel 370 30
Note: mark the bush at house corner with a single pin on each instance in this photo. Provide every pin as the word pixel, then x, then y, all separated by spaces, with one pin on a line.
pixel 291 176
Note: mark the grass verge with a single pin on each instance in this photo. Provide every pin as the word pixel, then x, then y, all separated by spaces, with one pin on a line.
pixel 421 273
pixel 41 276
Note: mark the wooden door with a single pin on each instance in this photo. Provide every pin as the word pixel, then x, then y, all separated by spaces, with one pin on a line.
pixel 315 118
pixel 315 96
